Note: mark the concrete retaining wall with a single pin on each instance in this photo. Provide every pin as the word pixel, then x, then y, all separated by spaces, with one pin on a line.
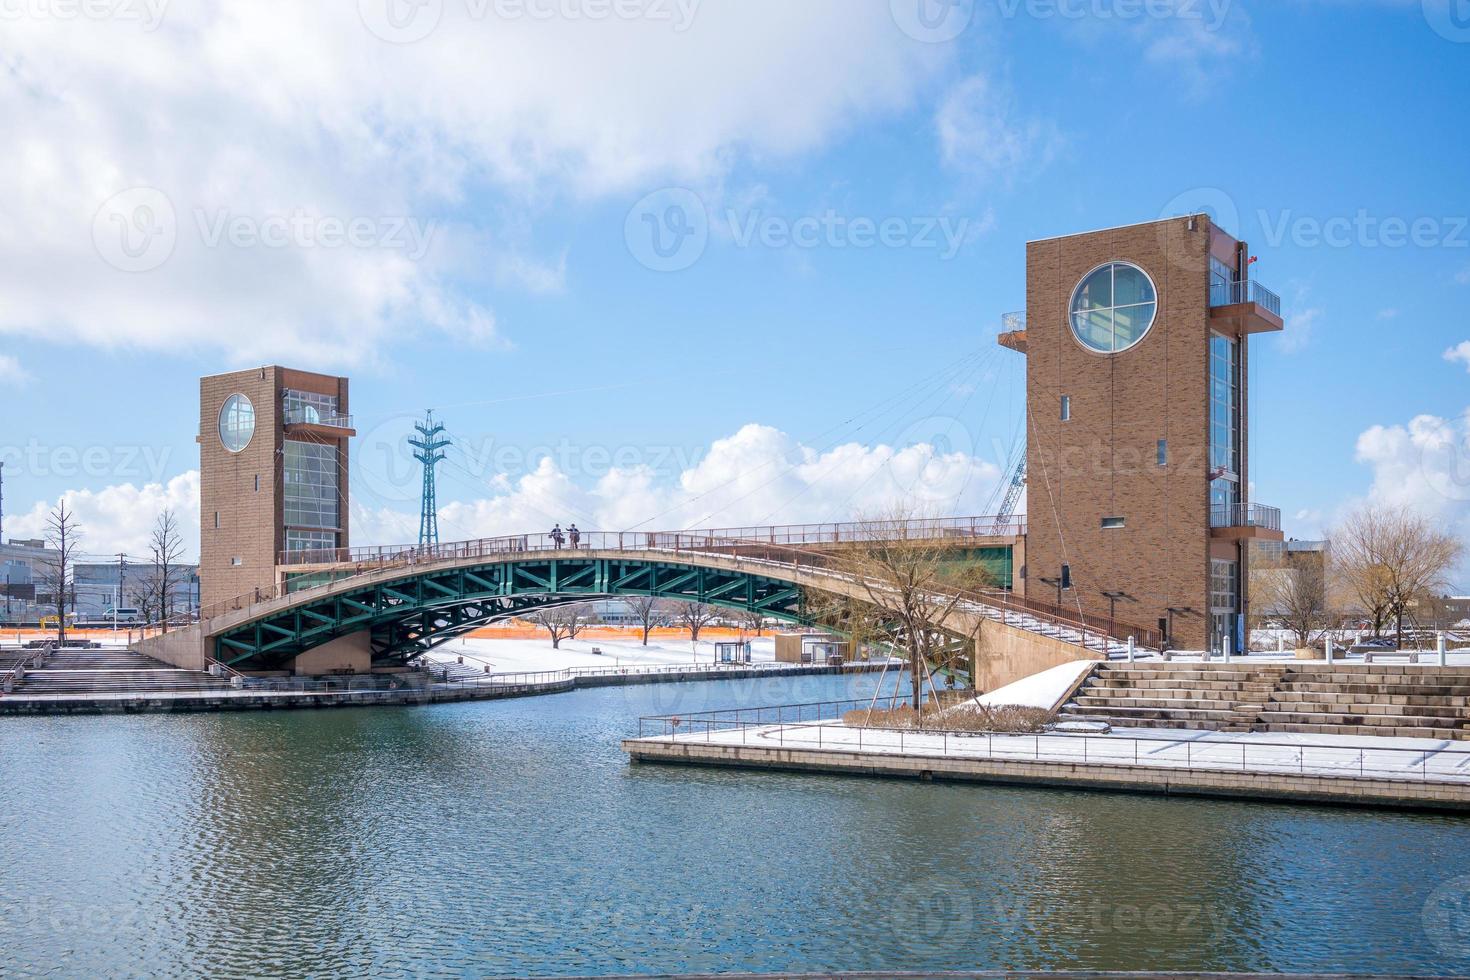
pixel 1006 654
pixel 1355 791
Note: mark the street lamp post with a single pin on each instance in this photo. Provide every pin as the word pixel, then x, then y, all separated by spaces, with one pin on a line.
pixel 1113 598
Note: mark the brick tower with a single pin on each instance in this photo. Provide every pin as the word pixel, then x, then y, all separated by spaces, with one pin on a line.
pixel 1136 341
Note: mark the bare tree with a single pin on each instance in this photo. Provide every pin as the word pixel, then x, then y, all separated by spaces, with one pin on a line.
pixel 167 546
pixel 753 620
pixel 562 622
pixel 694 617
pixel 64 534
pixel 649 611
pixel 1298 597
pixel 909 586
pixel 145 593
pixel 1389 558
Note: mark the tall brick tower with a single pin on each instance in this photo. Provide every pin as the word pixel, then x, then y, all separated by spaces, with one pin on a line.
pixel 272 474
pixel 1137 343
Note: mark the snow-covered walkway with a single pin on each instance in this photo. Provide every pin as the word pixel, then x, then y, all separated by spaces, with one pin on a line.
pixel 1318 755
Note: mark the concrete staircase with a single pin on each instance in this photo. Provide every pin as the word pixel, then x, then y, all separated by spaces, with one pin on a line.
pixel 86 672
pixel 1201 696
pixel 1380 699
pixel 1388 700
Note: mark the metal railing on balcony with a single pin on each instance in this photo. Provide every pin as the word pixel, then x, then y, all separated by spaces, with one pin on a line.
pixel 310 416
pixel 1244 291
pixel 1246 515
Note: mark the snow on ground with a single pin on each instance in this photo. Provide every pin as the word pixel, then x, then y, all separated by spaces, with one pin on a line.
pixel 514 655
pixel 1324 755
pixel 1045 690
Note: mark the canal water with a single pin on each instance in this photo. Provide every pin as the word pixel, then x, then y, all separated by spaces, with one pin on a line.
pixel 512 837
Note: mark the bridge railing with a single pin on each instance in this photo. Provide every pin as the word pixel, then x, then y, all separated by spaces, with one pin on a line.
pixel 1093 631
pixel 939 528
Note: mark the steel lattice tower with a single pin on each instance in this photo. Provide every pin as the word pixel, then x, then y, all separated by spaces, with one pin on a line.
pixel 429 445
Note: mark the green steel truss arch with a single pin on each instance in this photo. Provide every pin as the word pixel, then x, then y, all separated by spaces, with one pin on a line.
pixel 410 615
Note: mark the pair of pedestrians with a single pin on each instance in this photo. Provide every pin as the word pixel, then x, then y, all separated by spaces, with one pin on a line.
pixel 560 537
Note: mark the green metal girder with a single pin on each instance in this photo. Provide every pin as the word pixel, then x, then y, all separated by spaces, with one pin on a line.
pixel 415 612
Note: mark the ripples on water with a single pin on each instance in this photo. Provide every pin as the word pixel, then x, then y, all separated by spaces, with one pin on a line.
pixel 513 837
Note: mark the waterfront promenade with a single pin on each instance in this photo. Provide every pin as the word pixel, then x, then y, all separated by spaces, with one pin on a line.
pixel 1370 770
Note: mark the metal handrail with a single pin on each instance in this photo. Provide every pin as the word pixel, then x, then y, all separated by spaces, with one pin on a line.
pixel 1246 515
pixel 301 416
pixel 17 671
pixel 710 723
pixel 942 528
pixel 1244 291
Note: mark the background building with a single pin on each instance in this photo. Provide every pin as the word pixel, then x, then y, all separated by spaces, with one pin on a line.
pixel 98 586
pixel 273 474
pixel 1137 346
pixel 27 579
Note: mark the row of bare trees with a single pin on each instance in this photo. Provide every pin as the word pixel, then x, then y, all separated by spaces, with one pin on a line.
pixel 565 622
pixel 1382 562
pixel 153 594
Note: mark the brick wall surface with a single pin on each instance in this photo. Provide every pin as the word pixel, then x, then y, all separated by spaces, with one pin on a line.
pixel 1103 462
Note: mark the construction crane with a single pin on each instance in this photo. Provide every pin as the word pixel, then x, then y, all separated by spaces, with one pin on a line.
pixel 1013 492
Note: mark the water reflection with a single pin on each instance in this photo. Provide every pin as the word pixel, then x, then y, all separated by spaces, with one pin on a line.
pixel 513 837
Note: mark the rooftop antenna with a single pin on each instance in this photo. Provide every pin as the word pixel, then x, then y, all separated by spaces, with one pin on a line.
pixel 430 445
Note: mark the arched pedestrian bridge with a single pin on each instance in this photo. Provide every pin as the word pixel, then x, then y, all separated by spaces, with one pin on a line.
pixel 382 607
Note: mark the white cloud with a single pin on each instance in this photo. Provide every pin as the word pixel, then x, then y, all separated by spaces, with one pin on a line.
pixel 1388 314
pixel 11 371
pixel 980 133
pixel 1425 465
pixel 759 475
pixel 1463 276
pixel 1299 328
pixel 1199 50
pixel 121 517
pixel 1460 352
pixel 287 110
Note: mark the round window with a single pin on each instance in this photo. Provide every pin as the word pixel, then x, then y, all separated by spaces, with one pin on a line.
pixel 1113 307
pixel 236 423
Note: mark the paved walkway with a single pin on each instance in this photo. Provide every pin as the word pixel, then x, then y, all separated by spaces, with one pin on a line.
pixel 1411 759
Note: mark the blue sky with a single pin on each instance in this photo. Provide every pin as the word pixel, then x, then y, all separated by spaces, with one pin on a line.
pixel 766 379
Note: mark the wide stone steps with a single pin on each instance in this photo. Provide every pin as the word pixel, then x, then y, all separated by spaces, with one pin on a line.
pixel 49 681
pixel 1182 700
pixel 1334 725
pixel 1381 700
pixel 84 672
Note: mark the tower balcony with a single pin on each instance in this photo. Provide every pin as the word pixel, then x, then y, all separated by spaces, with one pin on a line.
pixel 1245 307
pixel 312 422
pixel 1013 332
pixel 1238 522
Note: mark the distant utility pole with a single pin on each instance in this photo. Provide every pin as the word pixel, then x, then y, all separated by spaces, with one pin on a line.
pixel 122 561
pixel 429 445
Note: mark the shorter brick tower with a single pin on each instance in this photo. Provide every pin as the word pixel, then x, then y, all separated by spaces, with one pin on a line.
pixel 272 474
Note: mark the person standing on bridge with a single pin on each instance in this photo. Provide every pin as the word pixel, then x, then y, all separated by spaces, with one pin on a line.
pixel 575 535
pixel 556 536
